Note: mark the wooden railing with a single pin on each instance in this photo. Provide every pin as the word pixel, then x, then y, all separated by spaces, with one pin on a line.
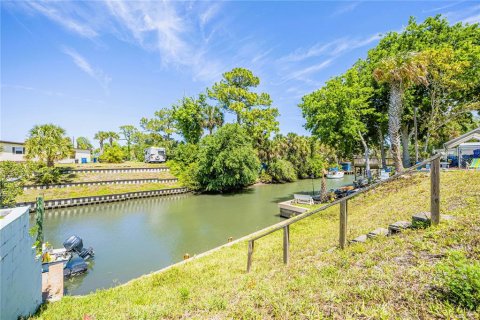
pixel 343 202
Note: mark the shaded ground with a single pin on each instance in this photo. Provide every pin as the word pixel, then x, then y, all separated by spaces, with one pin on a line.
pixel 386 278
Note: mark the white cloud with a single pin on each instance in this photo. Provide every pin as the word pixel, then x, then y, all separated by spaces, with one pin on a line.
pixel 97 74
pixel 465 15
pixel 55 12
pixel 301 74
pixel 333 48
pixel 344 8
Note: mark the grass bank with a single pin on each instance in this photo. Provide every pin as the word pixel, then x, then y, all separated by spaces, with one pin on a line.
pixel 86 191
pixel 387 278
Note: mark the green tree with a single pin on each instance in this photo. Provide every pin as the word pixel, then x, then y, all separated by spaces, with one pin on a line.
pixel 227 160
pixel 49 143
pixel 163 123
pixel 337 114
pixel 113 153
pixel 12 178
pixel 128 132
pixel 101 136
pixel 281 171
pixel 399 72
pixel 188 116
pixel 212 118
pixel 234 94
pixel 112 137
pixel 84 143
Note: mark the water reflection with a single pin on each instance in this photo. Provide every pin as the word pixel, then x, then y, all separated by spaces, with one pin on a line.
pixel 135 237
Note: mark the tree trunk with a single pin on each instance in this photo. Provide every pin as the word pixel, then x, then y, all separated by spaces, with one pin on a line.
pixel 101 145
pixel 50 162
pixel 394 117
pixel 382 148
pixel 367 156
pixel 239 121
pixel 405 137
pixel 415 132
pixel 210 129
pixel 323 189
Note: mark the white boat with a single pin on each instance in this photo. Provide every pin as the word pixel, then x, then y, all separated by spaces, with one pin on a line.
pixel 335 175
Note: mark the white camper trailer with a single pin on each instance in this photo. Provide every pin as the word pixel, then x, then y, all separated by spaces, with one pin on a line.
pixel 154 154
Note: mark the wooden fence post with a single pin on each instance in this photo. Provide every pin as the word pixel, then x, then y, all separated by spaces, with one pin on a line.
pixel 435 191
pixel 250 253
pixel 343 224
pixel 286 243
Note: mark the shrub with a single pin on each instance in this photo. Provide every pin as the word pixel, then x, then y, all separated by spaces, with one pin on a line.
pixel 459 277
pixel 227 160
pixel 12 177
pixel 282 171
pixel 185 153
pixel 112 154
pixel 48 175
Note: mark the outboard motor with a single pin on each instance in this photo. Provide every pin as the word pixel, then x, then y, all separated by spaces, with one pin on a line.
pixel 75 244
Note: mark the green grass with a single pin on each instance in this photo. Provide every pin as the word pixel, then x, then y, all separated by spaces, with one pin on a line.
pixel 85 191
pixel 386 278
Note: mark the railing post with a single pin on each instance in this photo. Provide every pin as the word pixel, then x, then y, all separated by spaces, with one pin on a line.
pixel 435 191
pixel 250 253
pixel 343 224
pixel 286 243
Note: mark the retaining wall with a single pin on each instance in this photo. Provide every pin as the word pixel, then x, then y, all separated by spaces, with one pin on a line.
pixel 81 201
pixel 20 270
pixel 119 170
pixel 98 183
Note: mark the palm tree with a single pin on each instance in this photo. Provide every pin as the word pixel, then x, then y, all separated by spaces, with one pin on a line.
pixel 49 143
pixel 112 137
pixel 212 118
pixel 84 143
pixel 399 72
pixel 101 136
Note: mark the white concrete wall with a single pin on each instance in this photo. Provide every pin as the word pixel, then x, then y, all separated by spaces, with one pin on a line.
pixel 9 156
pixel 20 271
pixel 79 154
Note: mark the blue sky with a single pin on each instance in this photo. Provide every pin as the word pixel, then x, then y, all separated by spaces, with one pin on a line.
pixel 96 65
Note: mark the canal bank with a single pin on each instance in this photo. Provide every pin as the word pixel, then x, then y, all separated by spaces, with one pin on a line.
pixel 136 237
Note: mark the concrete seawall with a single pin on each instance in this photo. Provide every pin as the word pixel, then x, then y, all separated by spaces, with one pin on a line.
pixel 81 201
pixel 99 183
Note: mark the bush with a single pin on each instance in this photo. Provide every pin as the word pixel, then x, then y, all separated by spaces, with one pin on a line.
pixel 227 160
pixel 112 154
pixel 12 176
pixel 185 153
pixel 459 277
pixel 47 175
pixel 282 171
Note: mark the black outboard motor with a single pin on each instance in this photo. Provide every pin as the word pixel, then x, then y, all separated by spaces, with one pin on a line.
pixel 75 244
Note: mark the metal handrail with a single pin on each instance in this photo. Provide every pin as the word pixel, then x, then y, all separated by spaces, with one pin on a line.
pixel 286 224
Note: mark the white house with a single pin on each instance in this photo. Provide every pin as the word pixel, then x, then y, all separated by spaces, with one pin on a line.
pixel 15 151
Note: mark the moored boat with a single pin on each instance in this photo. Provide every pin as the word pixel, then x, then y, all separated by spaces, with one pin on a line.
pixel 335 174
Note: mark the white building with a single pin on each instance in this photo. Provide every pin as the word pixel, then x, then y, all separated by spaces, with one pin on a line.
pixel 15 151
pixel 20 270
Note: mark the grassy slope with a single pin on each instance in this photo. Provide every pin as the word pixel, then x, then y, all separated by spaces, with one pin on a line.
pixel 384 278
pixel 85 191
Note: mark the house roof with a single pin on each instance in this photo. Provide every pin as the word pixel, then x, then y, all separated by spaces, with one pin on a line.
pixel 12 142
pixel 474 134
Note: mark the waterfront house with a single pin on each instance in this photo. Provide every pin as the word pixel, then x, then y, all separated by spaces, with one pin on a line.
pixel 15 151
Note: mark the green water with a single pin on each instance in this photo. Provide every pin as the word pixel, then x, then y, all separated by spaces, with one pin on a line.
pixel 136 237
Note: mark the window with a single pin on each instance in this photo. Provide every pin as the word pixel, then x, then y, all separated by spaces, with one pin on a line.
pixel 18 150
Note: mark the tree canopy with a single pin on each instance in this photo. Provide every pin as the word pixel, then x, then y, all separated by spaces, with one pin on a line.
pixel 48 143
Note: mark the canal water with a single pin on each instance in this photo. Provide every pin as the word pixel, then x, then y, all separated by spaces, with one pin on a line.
pixel 135 237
